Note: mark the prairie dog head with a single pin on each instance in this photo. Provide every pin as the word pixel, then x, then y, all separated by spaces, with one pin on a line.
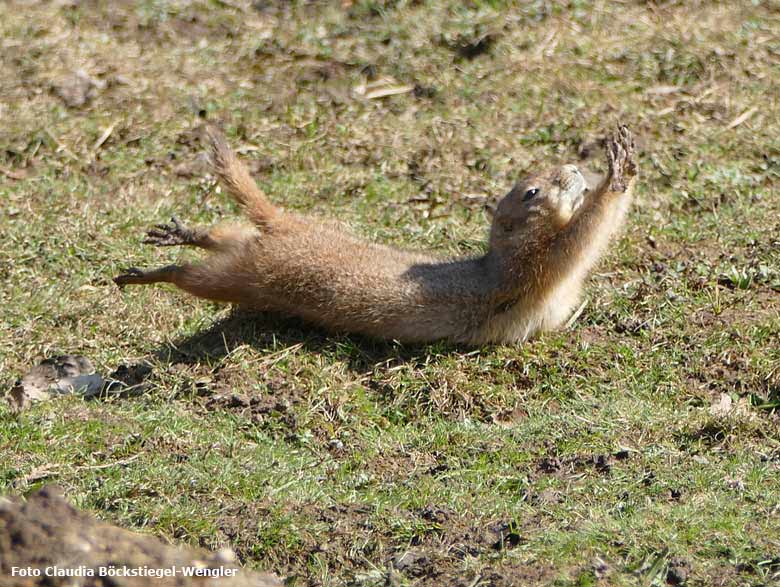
pixel 539 205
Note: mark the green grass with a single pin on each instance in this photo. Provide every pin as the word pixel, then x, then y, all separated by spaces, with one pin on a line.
pixel 587 457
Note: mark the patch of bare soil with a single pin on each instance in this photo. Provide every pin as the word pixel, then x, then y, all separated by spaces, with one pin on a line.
pixel 351 538
pixel 46 533
pixel 571 465
pixel 273 410
pixel 121 19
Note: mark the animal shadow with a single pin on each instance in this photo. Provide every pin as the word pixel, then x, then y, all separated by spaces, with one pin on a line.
pixel 263 331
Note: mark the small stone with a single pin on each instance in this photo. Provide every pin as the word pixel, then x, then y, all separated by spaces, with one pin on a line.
pixel 677 574
pixel 77 88
pixel 225 555
pixel 600 568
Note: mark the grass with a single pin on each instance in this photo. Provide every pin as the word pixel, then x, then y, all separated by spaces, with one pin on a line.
pixel 592 456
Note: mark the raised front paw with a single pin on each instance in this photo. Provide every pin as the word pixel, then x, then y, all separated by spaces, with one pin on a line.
pixel 621 155
pixel 169 235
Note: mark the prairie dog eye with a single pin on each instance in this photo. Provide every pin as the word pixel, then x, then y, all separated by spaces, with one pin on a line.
pixel 530 194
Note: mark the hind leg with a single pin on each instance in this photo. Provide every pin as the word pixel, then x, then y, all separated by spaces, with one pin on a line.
pixel 219 238
pixel 217 279
pixel 135 276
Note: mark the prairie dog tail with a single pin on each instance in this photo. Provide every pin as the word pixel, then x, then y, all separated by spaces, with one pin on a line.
pixel 236 178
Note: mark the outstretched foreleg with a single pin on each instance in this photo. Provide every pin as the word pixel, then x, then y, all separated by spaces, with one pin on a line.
pixel 581 242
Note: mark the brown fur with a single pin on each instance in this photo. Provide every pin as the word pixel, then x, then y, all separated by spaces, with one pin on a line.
pixel 542 244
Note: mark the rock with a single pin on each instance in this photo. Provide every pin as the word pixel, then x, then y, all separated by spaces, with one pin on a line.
pixel 61 375
pixel 413 563
pixel 677 573
pixel 196 167
pixel 77 88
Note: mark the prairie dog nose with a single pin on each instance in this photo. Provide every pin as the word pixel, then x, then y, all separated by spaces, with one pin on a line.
pixel 569 170
pixel 569 176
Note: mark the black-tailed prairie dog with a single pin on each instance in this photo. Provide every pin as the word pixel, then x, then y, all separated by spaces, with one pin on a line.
pixel 547 233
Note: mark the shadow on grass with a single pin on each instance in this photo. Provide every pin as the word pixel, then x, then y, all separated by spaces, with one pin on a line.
pixel 407 381
pixel 263 331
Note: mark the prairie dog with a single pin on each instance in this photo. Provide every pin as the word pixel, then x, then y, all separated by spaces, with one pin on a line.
pixel 547 233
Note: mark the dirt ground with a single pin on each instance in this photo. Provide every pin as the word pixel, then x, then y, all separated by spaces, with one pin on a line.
pixel 45 533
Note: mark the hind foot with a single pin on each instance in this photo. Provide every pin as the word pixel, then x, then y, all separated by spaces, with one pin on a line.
pixel 173 234
pixel 135 276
